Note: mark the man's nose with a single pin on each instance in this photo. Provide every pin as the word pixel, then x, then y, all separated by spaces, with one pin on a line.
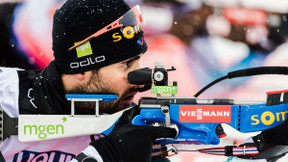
pixel 136 66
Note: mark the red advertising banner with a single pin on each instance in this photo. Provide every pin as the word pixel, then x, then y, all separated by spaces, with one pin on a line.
pixel 204 114
pixel 245 16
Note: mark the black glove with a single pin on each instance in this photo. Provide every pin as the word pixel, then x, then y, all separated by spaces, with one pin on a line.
pixel 268 151
pixel 272 143
pixel 277 135
pixel 129 142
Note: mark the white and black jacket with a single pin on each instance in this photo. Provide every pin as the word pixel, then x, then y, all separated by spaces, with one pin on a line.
pixel 36 92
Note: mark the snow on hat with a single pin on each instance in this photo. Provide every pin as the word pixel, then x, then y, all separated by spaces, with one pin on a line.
pixel 76 20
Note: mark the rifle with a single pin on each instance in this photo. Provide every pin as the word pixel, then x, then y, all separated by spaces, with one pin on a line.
pixel 197 120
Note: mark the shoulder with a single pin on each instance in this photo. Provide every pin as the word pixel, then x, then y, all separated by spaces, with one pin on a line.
pixel 9 90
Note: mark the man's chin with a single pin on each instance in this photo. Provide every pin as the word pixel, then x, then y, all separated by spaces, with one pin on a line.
pixel 123 106
pixel 116 108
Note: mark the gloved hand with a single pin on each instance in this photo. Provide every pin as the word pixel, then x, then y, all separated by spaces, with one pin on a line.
pixel 272 144
pixel 129 142
pixel 267 151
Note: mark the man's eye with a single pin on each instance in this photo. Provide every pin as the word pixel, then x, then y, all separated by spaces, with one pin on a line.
pixel 125 65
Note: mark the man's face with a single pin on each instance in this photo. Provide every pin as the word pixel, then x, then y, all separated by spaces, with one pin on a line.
pixel 111 79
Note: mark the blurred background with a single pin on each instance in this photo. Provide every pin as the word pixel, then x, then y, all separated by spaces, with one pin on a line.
pixel 203 39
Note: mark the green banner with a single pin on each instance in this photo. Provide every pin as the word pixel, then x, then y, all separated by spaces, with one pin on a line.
pixel 164 90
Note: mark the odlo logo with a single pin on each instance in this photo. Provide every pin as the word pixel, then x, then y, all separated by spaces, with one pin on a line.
pixel 42 131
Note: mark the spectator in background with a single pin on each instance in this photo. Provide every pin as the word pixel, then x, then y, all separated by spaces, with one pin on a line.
pixel 85 63
pixel 9 55
pixel 26 29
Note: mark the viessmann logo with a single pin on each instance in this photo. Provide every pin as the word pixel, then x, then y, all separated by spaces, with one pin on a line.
pixel 204 114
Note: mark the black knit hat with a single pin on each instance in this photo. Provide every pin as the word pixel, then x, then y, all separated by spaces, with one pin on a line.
pixel 79 19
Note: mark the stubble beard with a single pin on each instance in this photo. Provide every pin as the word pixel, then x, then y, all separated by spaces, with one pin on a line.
pixel 96 86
